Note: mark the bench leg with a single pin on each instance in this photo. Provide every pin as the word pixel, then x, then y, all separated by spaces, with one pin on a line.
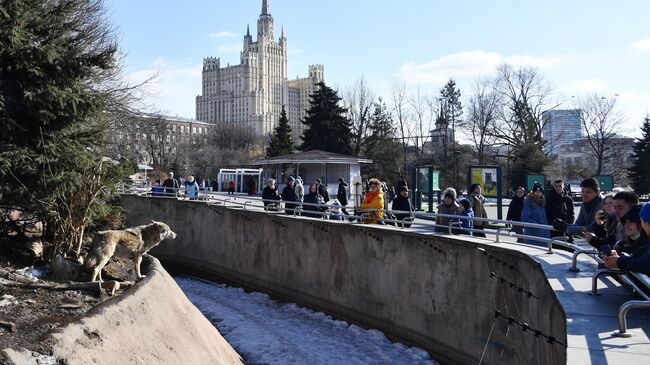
pixel 622 313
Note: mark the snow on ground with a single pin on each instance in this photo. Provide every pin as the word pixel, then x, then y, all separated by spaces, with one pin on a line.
pixel 265 331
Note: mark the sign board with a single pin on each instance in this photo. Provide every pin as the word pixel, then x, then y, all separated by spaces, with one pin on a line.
pixel 532 179
pixel 435 180
pixel 486 176
pixel 606 182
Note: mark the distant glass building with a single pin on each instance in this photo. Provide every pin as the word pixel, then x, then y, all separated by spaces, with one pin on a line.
pixel 561 126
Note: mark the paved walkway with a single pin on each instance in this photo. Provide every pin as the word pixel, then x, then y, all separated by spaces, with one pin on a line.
pixel 592 319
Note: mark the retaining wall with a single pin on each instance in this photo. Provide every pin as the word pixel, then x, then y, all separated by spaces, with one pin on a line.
pixel 432 291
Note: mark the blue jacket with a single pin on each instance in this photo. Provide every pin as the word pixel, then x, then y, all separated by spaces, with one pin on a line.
pixel 534 212
pixel 465 223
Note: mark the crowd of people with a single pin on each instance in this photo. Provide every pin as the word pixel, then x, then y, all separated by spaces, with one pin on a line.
pixel 615 224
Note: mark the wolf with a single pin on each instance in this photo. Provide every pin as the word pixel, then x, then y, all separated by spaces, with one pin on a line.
pixel 128 243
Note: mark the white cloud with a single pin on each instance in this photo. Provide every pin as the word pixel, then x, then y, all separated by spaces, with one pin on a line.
pixel 222 34
pixel 471 64
pixel 642 45
pixel 173 89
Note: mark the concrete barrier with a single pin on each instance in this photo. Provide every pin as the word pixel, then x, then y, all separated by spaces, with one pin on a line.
pixel 151 323
pixel 437 292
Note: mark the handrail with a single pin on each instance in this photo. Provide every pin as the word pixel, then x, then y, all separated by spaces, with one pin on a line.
pixel 324 211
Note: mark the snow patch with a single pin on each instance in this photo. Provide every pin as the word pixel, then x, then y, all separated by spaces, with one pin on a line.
pixel 265 331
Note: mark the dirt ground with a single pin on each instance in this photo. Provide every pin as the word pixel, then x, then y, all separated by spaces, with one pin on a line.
pixel 29 313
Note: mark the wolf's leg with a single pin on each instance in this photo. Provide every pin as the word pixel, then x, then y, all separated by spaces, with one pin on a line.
pixel 138 260
pixel 99 273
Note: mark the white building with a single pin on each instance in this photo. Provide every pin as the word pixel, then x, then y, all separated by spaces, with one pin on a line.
pixel 252 93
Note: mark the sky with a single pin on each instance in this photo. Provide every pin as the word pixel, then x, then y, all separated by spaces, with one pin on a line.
pixel 581 47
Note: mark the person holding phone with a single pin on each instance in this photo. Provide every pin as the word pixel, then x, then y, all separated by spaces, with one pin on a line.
pixel 636 243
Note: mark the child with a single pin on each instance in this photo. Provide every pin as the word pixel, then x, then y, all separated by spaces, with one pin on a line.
pixel 335 210
pixel 465 210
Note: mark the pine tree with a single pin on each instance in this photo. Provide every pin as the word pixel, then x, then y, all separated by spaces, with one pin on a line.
pixel 58 86
pixel 640 169
pixel 328 129
pixel 280 143
pixel 381 146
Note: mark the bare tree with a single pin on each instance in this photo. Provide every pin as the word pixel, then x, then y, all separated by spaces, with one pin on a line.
pixel 358 100
pixel 424 113
pixel 524 95
pixel 482 109
pixel 601 121
pixel 401 114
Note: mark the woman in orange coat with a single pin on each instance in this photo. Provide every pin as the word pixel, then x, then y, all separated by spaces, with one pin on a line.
pixel 374 199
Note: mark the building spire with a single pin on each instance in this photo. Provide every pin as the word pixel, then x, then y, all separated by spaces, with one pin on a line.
pixel 265 7
pixel 248 30
pixel 282 33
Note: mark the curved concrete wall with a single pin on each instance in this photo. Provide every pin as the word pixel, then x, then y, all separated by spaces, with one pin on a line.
pixel 432 291
pixel 151 323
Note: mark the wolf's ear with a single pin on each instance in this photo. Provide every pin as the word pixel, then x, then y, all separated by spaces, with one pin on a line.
pixel 153 221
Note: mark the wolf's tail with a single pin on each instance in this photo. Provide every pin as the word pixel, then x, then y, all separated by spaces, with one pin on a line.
pixel 91 258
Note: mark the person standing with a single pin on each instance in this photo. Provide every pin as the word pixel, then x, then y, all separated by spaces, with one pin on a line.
pixel 514 211
pixel 534 211
pixel 312 198
pixel 402 203
pixel 231 188
pixel 322 190
pixel 191 188
pixel 401 182
pixel 342 194
pixel 270 194
pixel 592 202
pixel 466 225
pixel 171 185
pixel 559 206
pixel 448 206
pixel 290 197
pixel 374 202
pixel 478 206
pixel 300 188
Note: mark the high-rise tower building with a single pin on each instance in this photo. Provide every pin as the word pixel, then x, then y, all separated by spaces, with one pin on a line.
pixel 561 126
pixel 252 93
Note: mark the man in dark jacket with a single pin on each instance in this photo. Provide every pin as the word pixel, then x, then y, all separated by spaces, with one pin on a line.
pixel 291 201
pixel 322 190
pixel 342 194
pixel 402 203
pixel 270 194
pixel 171 185
pixel 559 206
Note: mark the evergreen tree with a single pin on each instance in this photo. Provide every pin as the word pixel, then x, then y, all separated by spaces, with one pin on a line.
pixel 640 169
pixel 280 143
pixel 328 128
pixel 381 146
pixel 58 85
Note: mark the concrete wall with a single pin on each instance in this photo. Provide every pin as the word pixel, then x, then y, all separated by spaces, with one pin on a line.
pixel 151 323
pixel 432 291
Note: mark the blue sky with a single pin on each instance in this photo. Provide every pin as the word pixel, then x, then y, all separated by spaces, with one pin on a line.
pixel 581 46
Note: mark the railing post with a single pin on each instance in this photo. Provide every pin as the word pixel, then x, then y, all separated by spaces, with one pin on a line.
pixel 622 314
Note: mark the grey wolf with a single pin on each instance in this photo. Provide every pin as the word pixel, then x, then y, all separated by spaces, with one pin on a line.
pixel 128 243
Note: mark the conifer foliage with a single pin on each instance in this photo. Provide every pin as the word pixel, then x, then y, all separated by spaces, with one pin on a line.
pixel 58 79
pixel 327 127
pixel 280 143
pixel 640 169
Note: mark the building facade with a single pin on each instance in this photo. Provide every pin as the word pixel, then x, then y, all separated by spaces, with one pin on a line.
pixel 560 126
pixel 252 93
